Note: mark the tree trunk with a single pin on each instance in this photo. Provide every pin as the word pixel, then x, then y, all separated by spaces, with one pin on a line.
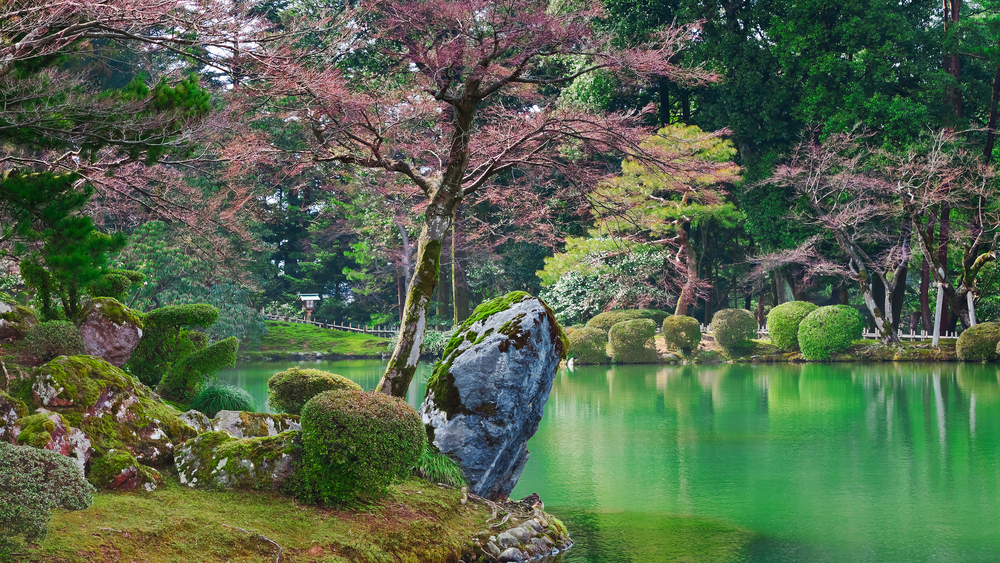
pixel 687 293
pixel 925 294
pixel 400 290
pixel 942 250
pixel 761 318
pixel 460 289
pixel 443 298
pixel 664 91
pixel 991 124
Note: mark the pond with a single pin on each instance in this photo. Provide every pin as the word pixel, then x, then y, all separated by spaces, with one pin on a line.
pixel 760 463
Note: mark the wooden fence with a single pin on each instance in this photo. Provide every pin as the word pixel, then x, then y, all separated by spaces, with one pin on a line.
pixel 383 331
pixel 922 335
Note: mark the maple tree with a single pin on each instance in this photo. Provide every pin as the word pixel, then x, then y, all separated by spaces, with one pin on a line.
pixel 465 94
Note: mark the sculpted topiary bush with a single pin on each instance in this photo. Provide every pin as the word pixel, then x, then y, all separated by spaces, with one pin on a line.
pixel 829 330
pixel 681 333
pixel 734 329
pixel 605 321
pixel 52 339
pixel 783 323
pixel 164 341
pixel 217 398
pixel 33 483
pixel 186 377
pixel 631 342
pixel 979 343
pixel 355 444
pixel 588 346
pixel 289 390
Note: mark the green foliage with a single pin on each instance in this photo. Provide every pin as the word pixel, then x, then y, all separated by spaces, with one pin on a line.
pixel 33 483
pixel 53 338
pixel 288 391
pixel 588 345
pixel 356 444
pixel 734 329
pixel 217 398
pixel 296 337
pixel 979 343
pixel 681 333
pixel 115 284
pixel 164 342
pixel 575 297
pixel 631 342
pixel 73 253
pixel 605 321
pixel 829 330
pixel 187 375
pixel 436 467
pixel 783 323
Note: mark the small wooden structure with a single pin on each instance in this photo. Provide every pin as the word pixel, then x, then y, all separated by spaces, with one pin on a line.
pixel 309 301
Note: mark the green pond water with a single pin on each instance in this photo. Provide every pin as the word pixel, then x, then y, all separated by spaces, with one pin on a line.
pixel 767 463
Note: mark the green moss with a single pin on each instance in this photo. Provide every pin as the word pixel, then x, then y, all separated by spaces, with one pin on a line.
pixel 296 337
pixel 81 379
pixel 218 460
pixel 104 470
pixel 7 403
pixel 112 310
pixel 36 429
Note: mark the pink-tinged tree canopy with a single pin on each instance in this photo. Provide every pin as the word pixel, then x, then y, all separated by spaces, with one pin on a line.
pixel 465 92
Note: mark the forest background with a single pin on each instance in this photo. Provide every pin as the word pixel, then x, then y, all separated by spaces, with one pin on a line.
pixel 890 105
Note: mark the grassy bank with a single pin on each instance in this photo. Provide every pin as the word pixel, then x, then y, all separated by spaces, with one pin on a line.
pixel 289 338
pixel 417 522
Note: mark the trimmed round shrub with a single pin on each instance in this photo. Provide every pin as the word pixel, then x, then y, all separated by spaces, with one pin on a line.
pixel 355 444
pixel 605 321
pixel 632 342
pixel 783 323
pixel 289 390
pixel 733 329
pixel 217 398
pixel 829 330
pixel 52 339
pixel 979 343
pixel 588 346
pixel 681 333
pixel 33 483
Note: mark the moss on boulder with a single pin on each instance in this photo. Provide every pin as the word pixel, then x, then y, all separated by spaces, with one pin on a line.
pixel 110 330
pixel 242 424
pixel 50 431
pixel 588 346
pixel 15 321
pixel 11 410
pixel 979 343
pixel 119 471
pixel 217 460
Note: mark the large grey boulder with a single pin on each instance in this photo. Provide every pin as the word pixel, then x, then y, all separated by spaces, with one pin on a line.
pixel 111 331
pixel 217 460
pixel 486 395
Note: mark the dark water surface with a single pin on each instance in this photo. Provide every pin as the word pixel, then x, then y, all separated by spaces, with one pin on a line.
pixel 783 463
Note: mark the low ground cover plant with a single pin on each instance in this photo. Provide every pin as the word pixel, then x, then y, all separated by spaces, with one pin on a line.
pixel 217 398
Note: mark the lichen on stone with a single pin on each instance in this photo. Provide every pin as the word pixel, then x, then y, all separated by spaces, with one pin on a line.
pixel 218 460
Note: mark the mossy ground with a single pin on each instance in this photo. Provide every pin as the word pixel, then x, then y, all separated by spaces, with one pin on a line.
pixel 417 522
pixel 295 337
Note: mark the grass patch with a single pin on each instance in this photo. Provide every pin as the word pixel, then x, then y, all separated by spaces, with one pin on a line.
pixel 418 521
pixel 295 337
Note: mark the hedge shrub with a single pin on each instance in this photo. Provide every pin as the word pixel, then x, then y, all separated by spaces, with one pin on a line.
pixel 289 390
pixel 605 321
pixel 681 333
pixel 979 343
pixel 217 398
pixel 187 376
pixel 33 483
pixel 355 444
pixel 783 323
pixel 734 329
pixel 588 346
pixel 164 341
pixel 829 330
pixel 50 339
pixel 632 342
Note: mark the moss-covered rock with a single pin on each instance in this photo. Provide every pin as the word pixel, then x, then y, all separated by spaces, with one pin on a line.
pixel 604 321
pixel 289 390
pixel 111 407
pixel 15 321
pixel 681 333
pixel 48 340
pixel 119 471
pixel 218 460
pixel 110 331
pixel 243 424
pixel 50 431
pixel 588 346
pixel 979 343
pixel 783 323
pixel 734 330
pixel 631 342
pixel 11 410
